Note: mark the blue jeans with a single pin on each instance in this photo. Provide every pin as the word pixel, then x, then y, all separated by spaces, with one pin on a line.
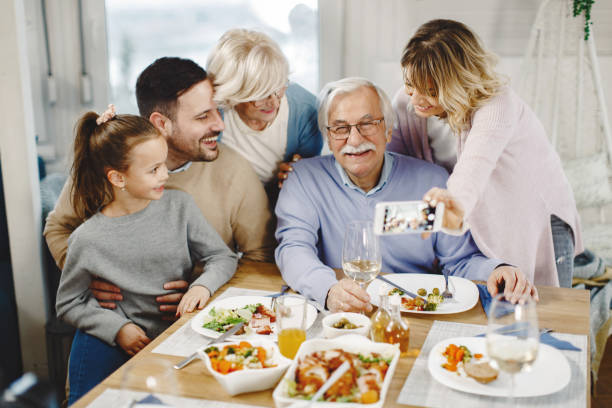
pixel 563 242
pixel 91 361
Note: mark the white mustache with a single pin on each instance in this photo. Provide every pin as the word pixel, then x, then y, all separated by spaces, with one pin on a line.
pixel 362 148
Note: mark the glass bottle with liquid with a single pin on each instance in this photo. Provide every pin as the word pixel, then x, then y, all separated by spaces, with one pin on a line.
pixel 398 329
pixel 381 318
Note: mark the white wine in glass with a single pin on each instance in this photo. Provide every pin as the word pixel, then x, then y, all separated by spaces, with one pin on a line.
pixel 361 258
pixel 513 337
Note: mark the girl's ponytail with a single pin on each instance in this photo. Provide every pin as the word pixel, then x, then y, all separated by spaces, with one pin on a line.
pixel 89 189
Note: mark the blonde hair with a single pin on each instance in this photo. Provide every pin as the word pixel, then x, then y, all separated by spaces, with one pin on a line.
pixel 348 85
pixel 447 56
pixel 247 65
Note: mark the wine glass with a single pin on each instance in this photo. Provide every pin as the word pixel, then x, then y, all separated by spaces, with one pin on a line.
pixel 513 336
pixel 148 382
pixel 361 258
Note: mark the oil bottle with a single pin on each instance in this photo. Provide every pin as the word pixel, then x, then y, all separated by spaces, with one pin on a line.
pixel 381 318
pixel 398 329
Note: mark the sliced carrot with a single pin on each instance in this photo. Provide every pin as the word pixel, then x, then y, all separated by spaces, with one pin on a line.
pixel 477 355
pixel 459 355
pixel 245 344
pixel 261 354
pixel 214 364
pixel 224 366
pixel 449 367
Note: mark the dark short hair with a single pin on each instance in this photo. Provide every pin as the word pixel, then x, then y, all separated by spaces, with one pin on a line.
pixel 161 83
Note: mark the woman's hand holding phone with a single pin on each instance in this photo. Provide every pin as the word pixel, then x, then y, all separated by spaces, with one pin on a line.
pixel 453 212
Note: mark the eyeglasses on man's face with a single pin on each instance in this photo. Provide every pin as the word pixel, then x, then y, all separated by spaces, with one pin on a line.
pixel 342 132
pixel 279 93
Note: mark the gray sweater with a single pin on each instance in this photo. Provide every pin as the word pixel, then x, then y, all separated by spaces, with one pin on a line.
pixel 139 253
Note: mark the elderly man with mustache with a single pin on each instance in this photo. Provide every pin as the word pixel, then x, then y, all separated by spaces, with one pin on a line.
pixel 323 194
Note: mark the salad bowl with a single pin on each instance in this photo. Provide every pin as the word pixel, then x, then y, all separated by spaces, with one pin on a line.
pixel 247 379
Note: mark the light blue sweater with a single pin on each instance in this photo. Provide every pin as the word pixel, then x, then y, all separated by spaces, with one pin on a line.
pixel 315 205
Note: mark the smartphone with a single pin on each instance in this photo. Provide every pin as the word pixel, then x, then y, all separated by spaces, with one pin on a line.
pixel 405 217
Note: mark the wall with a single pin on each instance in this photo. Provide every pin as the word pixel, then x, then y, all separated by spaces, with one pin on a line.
pixel 366 38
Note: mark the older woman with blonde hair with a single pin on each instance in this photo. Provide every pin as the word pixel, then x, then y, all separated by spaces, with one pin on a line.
pixel 507 183
pixel 267 119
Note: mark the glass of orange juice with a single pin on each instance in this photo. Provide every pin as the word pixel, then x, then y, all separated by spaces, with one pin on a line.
pixel 290 323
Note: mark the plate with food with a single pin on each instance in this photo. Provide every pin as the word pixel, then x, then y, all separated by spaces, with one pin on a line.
pixel 365 383
pixel 461 363
pixel 429 287
pixel 260 320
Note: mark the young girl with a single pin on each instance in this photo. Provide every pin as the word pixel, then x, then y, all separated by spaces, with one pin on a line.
pixel 136 237
pixel 508 183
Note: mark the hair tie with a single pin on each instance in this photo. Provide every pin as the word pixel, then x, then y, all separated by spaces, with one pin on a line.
pixel 108 114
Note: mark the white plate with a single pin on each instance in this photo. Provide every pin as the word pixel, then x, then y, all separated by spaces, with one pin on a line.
pixel 237 302
pixel 352 343
pixel 550 372
pixel 464 298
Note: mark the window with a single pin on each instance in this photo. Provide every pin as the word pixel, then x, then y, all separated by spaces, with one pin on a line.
pixel 140 31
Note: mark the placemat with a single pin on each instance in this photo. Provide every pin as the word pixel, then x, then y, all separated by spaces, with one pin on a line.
pixel 120 398
pixel 422 389
pixel 185 341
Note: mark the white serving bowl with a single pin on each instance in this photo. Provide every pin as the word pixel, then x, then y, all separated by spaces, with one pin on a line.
pixel 329 331
pixel 249 380
pixel 350 343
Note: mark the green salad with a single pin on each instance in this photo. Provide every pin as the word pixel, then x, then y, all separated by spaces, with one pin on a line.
pixel 221 320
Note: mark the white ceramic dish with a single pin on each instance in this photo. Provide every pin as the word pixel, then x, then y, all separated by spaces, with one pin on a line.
pixel 351 343
pixel 550 372
pixel 236 302
pixel 249 380
pixel 464 297
pixel 358 319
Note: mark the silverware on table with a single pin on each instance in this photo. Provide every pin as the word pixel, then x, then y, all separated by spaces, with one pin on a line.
pixel 515 330
pixel 225 335
pixel 446 294
pixel 275 296
pixel 406 291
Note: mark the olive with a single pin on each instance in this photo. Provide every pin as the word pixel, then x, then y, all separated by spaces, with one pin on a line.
pixel 421 292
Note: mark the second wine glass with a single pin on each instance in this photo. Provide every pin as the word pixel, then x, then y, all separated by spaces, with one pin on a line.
pixel 361 258
pixel 513 336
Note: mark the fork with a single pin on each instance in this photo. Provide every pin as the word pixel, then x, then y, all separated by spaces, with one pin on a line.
pixel 446 294
pixel 275 296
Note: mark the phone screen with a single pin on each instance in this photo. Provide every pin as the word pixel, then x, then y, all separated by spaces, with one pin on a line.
pixel 402 217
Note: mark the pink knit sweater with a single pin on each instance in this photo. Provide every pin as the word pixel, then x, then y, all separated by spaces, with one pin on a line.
pixel 509 180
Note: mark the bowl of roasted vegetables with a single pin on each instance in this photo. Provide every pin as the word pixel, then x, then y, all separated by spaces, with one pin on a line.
pixel 338 324
pixel 245 366
pixel 365 383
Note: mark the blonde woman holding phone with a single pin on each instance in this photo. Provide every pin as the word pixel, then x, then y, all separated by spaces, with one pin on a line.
pixel 508 184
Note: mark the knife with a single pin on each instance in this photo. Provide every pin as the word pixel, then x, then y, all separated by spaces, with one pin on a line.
pixel 395 285
pixel 225 335
pixel 284 290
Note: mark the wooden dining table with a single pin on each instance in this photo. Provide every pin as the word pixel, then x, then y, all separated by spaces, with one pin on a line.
pixel 563 310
